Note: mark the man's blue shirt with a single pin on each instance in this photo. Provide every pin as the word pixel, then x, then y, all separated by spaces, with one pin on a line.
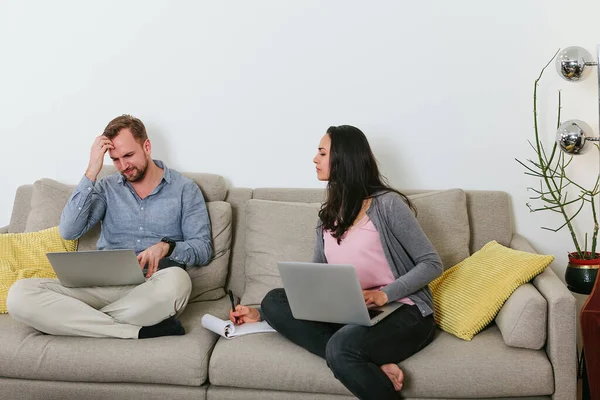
pixel 175 209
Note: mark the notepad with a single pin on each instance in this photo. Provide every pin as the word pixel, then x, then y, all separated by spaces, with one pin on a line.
pixel 229 330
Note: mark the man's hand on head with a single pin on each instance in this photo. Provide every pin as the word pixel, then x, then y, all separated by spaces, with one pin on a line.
pixel 151 256
pixel 101 145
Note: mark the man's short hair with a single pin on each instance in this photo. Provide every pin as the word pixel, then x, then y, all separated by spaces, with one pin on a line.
pixel 126 121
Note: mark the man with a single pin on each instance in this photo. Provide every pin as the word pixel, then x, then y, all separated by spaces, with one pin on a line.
pixel 146 207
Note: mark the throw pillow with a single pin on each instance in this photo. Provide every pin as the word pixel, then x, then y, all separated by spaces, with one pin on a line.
pixel 522 319
pixel 468 295
pixel 23 255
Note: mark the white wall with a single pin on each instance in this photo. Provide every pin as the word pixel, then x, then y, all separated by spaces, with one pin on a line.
pixel 246 89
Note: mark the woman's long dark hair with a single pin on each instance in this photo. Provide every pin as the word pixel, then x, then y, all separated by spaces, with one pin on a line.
pixel 353 177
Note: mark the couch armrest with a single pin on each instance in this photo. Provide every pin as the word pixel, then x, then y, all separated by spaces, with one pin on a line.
pixel 561 336
pixel 4 229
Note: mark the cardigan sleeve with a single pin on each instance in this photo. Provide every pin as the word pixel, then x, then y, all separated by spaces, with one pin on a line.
pixel 414 248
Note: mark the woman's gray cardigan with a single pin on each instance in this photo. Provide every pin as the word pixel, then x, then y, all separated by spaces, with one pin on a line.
pixel 409 253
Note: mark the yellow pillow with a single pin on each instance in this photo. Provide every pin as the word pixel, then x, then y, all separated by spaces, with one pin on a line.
pixel 23 255
pixel 468 296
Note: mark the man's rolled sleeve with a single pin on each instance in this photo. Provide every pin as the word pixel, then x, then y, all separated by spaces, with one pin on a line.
pixel 83 210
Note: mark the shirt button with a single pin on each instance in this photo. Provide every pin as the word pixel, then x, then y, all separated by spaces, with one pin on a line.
pixel 79 208
pixel 138 240
pixel 142 208
pixel 141 229
pixel 89 189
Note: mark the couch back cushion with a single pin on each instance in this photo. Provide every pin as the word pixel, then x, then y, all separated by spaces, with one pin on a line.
pixel 285 231
pixel 444 219
pixel 21 208
pixel 208 282
pixel 275 231
pixel 49 197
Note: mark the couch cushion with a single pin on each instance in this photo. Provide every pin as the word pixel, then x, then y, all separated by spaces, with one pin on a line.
pixel 176 360
pixel 444 219
pixel 285 231
pixel 47 202
pixel 484 367
pixel 208 281
pixel 229 393
pixel 275 231
pixel 30 389
pixel 21 208
pixel 522 319
pixel 468 296
pixel 490 217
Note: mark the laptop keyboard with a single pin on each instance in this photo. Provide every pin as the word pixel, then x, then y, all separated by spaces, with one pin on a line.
pixel 374 313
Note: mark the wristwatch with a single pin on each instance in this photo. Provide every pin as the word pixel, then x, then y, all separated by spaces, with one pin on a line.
pixel 171 244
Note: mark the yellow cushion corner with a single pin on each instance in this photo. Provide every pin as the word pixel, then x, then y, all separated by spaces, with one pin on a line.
pixel 468 296
pixel 23 255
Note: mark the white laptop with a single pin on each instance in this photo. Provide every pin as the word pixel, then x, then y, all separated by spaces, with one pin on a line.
pixel 96 268
pixel 329 293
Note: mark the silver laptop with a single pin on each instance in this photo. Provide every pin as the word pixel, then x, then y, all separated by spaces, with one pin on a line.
pixel 96 268
pixel 329 293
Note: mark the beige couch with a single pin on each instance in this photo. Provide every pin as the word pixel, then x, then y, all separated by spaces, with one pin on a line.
pixel 528 353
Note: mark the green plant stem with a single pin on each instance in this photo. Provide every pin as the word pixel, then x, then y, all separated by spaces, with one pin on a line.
pixel 544 166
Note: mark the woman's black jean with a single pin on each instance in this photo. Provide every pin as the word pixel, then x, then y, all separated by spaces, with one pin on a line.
pixel 354 353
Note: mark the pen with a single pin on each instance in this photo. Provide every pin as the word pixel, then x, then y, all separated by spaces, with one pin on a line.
pixel 232 302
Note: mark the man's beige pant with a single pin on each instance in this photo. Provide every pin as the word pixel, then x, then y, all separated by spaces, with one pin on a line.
pixel 115 311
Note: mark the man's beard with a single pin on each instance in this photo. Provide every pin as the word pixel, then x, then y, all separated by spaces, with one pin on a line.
pixel 136 173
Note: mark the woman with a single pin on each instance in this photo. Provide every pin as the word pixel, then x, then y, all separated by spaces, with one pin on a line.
pixel 367 224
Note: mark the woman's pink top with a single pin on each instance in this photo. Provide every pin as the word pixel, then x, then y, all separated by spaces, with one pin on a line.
pixel 361 247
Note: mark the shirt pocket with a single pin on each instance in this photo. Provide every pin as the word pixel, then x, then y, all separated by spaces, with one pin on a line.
pixel 165 218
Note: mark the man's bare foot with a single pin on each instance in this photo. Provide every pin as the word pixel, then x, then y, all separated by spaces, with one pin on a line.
pixel 395 374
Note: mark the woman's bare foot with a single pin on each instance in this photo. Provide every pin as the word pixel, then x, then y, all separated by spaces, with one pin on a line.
pixel 395 374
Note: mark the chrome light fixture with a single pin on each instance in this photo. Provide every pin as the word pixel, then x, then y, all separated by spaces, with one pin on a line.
pixel 574 64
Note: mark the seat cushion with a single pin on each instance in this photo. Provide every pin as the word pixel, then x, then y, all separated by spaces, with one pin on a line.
pixel 484 367
pixel 175 360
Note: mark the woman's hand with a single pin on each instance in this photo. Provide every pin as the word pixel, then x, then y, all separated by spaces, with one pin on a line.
pixel 244 314
pixel 375 298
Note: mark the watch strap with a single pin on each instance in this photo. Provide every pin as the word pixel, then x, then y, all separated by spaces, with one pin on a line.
pixel 171 244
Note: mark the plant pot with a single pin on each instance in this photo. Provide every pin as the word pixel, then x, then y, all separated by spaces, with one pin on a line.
pixel 581 274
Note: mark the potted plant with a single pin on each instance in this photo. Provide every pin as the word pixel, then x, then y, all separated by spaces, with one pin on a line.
pixel 560 194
